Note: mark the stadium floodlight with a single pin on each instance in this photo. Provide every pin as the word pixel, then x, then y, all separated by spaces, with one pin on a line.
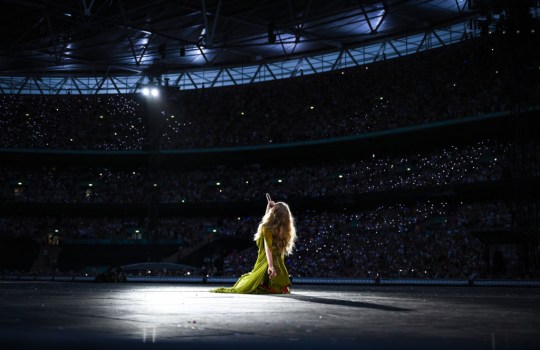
pixel 150 90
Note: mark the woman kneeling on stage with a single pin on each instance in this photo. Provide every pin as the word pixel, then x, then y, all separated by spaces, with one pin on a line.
pixel 275 238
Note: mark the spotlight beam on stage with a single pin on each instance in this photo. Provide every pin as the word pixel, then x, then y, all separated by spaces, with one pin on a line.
pixel 38 315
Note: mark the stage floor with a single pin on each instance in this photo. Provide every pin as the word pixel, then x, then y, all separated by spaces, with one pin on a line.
pixel 53 315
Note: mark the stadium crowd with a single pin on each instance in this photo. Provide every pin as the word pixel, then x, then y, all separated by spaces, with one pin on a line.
pixel 109 122
pixel 478 162
pixel 449 83
pixel 425 239
pixel 452 82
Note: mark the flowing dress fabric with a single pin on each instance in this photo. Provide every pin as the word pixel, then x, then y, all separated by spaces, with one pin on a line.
pixel 257 280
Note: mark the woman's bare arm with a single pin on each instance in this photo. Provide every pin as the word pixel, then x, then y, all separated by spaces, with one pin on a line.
pixel 268 250
pixel 269 206
pixel 271 270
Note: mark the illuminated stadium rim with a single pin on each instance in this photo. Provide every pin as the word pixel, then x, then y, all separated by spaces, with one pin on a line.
pixel 247 74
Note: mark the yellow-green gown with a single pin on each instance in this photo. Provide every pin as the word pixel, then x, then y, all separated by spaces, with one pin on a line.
pixel 257 280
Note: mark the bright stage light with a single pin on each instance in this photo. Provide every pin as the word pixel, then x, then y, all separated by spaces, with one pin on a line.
pixel 155 92
pixel 146 91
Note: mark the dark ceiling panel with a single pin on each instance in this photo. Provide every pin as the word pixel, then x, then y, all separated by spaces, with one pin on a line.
pixel 114 36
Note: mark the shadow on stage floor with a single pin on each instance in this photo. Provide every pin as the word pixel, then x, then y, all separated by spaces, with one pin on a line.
pixel 341 302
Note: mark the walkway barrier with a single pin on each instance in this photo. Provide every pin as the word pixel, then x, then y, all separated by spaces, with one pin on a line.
pixel 425 282
pixel 166 279
pixel 294 280
pixel 507 283
pixel 312 280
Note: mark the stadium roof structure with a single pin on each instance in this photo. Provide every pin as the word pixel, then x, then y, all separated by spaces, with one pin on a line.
pixel 113 46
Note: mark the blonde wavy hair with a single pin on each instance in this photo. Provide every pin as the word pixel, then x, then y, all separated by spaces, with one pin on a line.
pixel 281 220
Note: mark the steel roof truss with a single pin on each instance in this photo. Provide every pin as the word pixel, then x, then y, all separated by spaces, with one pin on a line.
pixel 338 60
pixel 216 78
pixel 37 85
pixel 461 9
pixel 137 84
pixel 368 21
pixel 394 48
pixel 297 67
pixel 230 76
pixel 255 75
pixel 383 18
pixel 281 42
pixel 53 39
pixel 132 49
pixel 311 65
pixel 351 56
pixel 177 81
pixel 114 84
pixel 270 71
pixel 79 82
pixel 23 84
pixel 438 38
pixel 191 79
pixel 214 25
pixel 203 54
pixel 240 72
pixel 100 84
pixel 88 9
pixel 422 42
pixel 62 83
pixel 205 19
pixel 145 48
pixel 380 51
pixel 76 85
